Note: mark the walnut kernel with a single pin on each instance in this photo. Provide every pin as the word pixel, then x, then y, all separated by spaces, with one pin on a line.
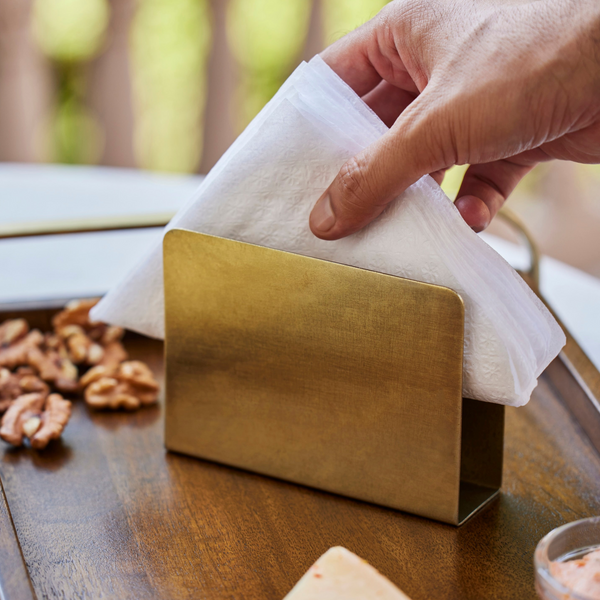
pixel 12 331
pixel 17 352
pixel 37 417
pixel 108 392
pixel 75 313
pixel 21 410
pixel 128 386
pixel 80 348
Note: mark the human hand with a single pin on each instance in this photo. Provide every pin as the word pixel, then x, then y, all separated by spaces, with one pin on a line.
pixel 498 86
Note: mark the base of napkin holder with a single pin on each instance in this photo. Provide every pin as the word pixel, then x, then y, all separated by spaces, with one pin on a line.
pixel 330 376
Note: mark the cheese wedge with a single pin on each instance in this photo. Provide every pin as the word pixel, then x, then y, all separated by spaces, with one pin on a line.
pixel 341 575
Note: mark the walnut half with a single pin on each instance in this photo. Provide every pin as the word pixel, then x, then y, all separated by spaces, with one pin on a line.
pixel 75 313
pixel 12 331
pixel 80 348
pixel 54 366
pixel 129 386
pixel 13 385
pixel 36 417
pixel 15 352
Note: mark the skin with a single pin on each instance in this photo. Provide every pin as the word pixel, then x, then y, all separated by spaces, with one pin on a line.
pixel 500 86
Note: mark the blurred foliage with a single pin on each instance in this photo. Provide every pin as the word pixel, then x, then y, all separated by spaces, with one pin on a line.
pixel 70 30
pixel 73 134
pixel 170 44
pixel 453 180
pixel 527 189
pixel 342 16
pixel 266 37
pixel 70 33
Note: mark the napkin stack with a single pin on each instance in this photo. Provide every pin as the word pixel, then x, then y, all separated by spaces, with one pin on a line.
pixel 262 191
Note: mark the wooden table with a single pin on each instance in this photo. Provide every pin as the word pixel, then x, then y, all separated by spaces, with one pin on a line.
pixel 108 513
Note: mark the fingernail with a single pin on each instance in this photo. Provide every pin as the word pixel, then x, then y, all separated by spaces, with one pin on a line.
pixel 322 217
pixel 479 227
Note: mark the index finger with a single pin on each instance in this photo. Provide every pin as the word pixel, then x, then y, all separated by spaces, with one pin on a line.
pixel 349 58
pixel 368 55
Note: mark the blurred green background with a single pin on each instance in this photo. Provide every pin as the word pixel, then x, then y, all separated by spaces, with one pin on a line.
pixel 166 85
pixel 169 46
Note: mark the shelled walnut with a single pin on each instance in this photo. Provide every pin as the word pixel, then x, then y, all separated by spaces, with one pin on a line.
pixel 77 356
pixel 128 386
pixel 13 385
pixel 75 312
pixel 54 365
pixel 108 335
pixel 14 351
pixel 88 342
pixel 35 416
pixel 12 331
pixel 114 355
pixel 45 354
pixel 9 389
pixel 80 347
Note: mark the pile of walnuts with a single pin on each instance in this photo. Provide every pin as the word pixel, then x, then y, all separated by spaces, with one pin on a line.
pixel 79 356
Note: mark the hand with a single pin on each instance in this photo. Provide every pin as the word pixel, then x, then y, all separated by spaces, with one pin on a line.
pixel 498 86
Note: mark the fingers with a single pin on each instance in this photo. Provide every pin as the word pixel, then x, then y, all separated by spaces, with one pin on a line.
pixel 438 176
pixel 349 58
pixel 368 55
pixel 486 187
pixel 387 101
pixel 367 183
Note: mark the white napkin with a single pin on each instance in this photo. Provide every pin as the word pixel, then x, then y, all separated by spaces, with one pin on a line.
pixel 262 191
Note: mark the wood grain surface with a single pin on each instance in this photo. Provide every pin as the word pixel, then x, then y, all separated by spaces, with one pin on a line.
pixel 14 578
pixel 108 513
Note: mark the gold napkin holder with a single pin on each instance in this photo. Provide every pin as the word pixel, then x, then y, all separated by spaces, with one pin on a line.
pixel 330 376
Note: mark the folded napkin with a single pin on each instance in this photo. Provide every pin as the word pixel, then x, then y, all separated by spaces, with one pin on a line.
pixel 263 188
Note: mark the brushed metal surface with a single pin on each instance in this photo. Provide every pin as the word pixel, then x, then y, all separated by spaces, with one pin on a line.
pixel 482 450
pixel 322 374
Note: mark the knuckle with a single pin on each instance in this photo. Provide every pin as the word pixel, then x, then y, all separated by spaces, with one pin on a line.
pixel 353 184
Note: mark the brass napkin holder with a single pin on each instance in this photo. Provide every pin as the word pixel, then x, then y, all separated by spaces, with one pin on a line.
pixel 325 375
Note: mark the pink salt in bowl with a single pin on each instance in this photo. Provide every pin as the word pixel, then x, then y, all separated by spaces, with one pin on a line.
pixel 567 562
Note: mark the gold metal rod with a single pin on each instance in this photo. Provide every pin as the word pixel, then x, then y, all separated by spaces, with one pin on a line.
pixel 89 225
pixel 572 373
pixel 534 253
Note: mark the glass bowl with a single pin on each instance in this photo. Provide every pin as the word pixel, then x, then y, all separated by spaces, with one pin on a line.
pixel 568 542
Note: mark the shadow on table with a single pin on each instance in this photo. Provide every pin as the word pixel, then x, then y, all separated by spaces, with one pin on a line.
pixel 52 458
pixel 113 420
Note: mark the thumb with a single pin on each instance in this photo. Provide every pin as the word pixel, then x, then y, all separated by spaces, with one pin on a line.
pixel 419 142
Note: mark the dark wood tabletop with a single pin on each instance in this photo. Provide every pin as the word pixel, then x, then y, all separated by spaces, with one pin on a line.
pixel 106 512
